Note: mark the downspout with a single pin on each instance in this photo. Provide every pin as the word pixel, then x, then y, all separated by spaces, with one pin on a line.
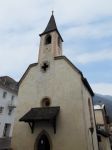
pixel 83 111
pixel 95 122
pixel 91 130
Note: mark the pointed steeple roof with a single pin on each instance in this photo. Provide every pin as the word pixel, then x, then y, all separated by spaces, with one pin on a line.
pixel 51 27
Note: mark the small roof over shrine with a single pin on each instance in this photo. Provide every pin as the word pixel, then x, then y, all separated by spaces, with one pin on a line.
pixel 41 114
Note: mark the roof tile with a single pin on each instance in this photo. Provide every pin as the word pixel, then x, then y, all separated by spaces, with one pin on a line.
pixel 40 113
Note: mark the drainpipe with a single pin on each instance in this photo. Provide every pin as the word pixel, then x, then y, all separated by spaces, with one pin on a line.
pixel 95 121
pixel 91 130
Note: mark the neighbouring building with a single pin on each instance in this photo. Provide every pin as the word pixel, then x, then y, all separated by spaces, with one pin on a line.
pixel 103 128
pixel 111 134
pixel 8 101
pixel 111 128
pixel 55 102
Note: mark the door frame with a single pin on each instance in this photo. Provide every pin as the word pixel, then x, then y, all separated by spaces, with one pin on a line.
pixel 38 138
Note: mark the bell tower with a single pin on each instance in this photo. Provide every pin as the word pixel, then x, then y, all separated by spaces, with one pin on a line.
pixel 50 42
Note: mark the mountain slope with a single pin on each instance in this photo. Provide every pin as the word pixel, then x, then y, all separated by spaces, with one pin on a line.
pixel 105 96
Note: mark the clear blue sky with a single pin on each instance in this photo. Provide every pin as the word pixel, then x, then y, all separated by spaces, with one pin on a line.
pixel 85 26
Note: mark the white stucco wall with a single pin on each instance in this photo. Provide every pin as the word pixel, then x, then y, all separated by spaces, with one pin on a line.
pixel 64 87
pixel 85 96
pixel 99 117
pixel 4 117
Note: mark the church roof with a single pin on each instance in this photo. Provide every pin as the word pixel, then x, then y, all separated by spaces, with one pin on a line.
pixel 51 27
pixel 40 113
pixel 98 107
pixel 9 87
pixel 9 79
pixel 31 65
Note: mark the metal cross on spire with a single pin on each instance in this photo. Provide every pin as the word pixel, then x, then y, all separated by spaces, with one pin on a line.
pixel 52 10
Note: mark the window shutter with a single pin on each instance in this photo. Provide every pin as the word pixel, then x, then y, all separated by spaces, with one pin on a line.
pixel 107 119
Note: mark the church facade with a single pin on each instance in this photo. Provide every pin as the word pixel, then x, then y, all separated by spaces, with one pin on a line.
pixel 55 107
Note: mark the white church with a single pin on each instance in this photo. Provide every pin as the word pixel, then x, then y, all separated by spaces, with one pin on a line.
pixel 55 102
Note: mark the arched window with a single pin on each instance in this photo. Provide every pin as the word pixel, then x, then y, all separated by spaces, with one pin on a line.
pixel 48 39
pixel 43 143
pixel 58 41
pixel 90 112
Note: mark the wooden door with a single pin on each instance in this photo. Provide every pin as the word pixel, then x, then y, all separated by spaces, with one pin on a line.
pixel 43 143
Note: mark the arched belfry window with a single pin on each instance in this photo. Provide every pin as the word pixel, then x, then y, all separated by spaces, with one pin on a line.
pixel 48 39
pixel 58 41
pixel 43 143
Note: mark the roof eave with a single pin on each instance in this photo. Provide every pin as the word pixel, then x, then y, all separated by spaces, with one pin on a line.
pixel 7 87
pixel 12 80
pixel 87 85
pixel 31 65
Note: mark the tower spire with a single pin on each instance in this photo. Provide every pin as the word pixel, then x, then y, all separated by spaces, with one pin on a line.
pixel 51 27
pixel 50 43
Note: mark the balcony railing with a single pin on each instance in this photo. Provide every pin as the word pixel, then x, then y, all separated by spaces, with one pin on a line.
pixel 11 104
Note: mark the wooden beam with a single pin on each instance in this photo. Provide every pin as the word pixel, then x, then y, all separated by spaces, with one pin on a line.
pixel 31 126
pixel 53 121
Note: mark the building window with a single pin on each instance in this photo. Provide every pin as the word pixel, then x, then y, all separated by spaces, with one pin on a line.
pixel 4 94
pixel 48 39
pixel 99 138
pixel 6 130
pixel 58 41
pixel 1 110
pixel 10 111
pixel 12 98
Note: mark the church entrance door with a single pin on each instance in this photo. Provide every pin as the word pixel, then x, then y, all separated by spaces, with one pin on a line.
pixel 43 143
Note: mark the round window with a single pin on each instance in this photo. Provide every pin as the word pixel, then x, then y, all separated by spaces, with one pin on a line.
pixel 45 102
